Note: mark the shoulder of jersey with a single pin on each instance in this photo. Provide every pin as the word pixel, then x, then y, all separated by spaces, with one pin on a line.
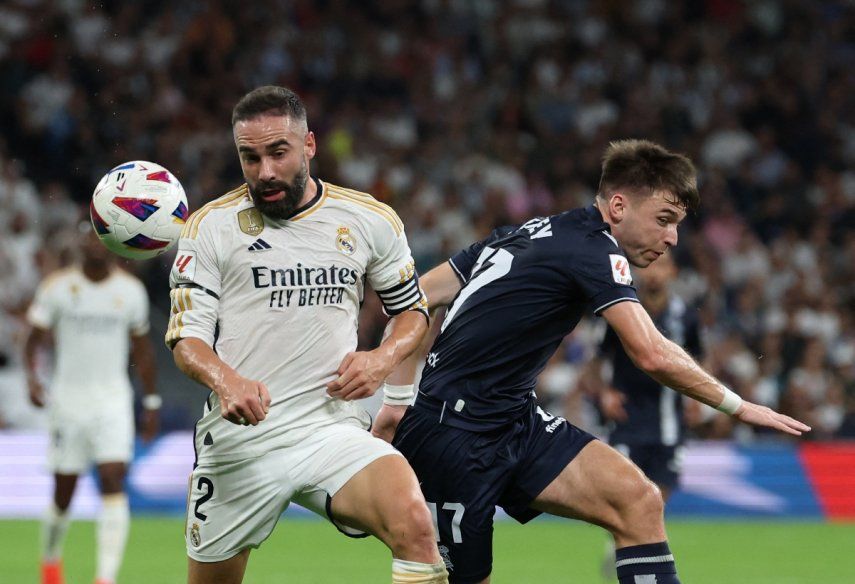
pixel 60 275
pixel 363 204
pixel 226 203
pixel 125 275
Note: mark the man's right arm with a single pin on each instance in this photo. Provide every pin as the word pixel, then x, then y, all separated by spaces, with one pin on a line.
pixel 196 285
pixel 242 400
pixel 671 366
pixel 36 338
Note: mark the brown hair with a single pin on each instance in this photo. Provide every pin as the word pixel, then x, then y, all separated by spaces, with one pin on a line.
pixel 269 99
pixel 641 165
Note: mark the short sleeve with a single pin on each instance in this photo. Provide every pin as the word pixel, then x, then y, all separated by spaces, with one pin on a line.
pixel 463 261
pixel 42 311
pixel 602 272
pixel 392 272
pixel 195 285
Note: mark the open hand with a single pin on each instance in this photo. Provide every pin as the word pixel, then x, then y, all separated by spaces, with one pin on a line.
pixel 758 415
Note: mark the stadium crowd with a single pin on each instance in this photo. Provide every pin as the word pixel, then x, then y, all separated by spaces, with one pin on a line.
pixel 465 115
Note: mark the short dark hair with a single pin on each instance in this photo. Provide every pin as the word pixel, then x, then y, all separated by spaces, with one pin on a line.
pixel 640 165
pixel 269 99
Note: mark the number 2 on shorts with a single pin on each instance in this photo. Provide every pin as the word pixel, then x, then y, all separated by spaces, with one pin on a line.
pixel 209 492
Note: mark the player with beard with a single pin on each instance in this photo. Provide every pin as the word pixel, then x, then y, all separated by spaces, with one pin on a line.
pixel 266 289
pixel 98 314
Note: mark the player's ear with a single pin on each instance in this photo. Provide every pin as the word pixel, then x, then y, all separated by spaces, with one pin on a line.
pixel 617 206
pixel 310 147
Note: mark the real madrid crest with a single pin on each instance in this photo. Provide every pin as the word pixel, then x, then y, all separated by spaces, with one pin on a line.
pixel 195 537
pixel 251 221
pixel 344 241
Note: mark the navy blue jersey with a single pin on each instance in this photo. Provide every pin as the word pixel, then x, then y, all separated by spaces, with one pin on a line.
pixel 654 412
pixel 524 289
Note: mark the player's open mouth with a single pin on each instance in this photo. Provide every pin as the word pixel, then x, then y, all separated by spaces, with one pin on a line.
pixel 272 195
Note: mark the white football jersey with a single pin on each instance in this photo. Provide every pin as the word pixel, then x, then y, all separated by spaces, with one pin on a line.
pixel 279 301
pixel 91 323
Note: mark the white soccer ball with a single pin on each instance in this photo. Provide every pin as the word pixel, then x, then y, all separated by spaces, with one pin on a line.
pixel 138 209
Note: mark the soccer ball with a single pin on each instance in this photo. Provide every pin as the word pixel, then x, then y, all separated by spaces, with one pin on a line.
pixel 138 210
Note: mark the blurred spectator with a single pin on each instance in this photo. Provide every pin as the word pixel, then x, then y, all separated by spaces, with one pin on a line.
pixel 468 115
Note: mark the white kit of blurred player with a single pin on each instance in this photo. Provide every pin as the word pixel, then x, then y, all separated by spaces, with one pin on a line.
pixel 98 315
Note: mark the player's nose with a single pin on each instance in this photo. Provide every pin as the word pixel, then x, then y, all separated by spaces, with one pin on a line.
pixel 266 172
pixel 671 236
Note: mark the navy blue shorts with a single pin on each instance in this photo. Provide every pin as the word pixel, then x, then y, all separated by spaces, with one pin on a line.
pixel 465 474
pixel 662 464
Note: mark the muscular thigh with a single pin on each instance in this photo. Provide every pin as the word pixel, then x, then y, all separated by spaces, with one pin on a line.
pixel 353 476
pixel 591 486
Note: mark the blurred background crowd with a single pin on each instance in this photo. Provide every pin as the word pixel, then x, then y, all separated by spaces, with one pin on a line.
pixel 465 115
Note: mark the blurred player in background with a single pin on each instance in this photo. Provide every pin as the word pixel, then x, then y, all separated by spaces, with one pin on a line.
pixel 97 315
pixel 272 274
pixel 644 419
pixel 476 437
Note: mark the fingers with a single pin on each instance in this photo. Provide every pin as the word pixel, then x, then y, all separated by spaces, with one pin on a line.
pixel 357 388
pixel 264 395
pixel 790 425
pixel 345 363
pixel 250 408
pixel 763 416
pixel 334 388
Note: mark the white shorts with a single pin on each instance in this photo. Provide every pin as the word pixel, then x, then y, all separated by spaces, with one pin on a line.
pixel 75 443
pixel 233 506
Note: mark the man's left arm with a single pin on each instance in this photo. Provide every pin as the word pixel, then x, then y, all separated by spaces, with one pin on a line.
pixel 392 273
pixel 142 360
pixel 362 372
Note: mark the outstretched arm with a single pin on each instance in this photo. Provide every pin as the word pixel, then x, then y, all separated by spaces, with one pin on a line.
pixel 242 400
pixel 670 365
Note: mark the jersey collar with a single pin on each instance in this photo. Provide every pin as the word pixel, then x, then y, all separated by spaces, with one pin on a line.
pixel 312 205
pixel 595 219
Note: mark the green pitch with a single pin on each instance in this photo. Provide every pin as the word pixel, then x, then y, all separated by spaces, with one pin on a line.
pixel 304 551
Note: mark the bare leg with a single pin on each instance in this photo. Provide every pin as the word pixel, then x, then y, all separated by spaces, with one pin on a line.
pixel 603 487
pixel 63 490
pixel 384 499
pixel 229 571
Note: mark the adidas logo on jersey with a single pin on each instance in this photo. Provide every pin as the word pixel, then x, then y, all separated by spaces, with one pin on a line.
pixel 259 245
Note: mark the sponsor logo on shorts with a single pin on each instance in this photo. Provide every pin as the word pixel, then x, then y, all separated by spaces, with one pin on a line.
pixel 554 424
pixel 195 536
pixel 445 554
